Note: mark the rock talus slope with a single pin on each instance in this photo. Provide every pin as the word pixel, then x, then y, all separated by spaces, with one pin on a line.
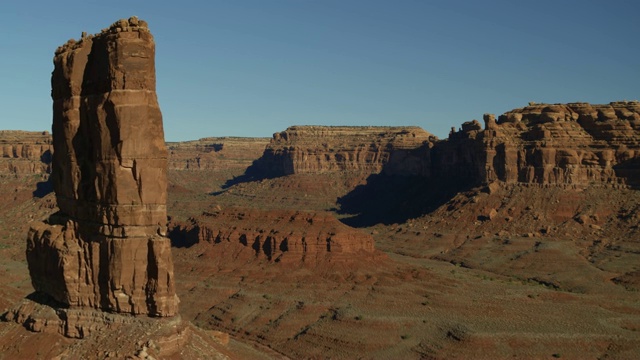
pixel 106 247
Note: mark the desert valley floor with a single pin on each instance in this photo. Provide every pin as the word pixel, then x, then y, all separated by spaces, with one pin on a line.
pixel 498 270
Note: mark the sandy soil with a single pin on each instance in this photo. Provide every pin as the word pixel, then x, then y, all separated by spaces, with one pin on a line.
pixel 553 273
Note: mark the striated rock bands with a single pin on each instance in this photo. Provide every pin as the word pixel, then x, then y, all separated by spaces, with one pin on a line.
pixel 25 152
pixel 110 158
pixel 284 236
pixel 106 247
pixel 574 143
pixel 326 149
pixel 31 152
pixel 225 153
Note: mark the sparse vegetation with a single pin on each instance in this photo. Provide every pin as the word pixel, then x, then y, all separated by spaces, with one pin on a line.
pixel 497 280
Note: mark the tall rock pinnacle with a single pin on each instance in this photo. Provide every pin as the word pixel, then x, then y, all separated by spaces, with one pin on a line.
pixel 106 248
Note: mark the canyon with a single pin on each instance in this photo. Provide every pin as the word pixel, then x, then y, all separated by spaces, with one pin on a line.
pixel 494 257
pixel 512 238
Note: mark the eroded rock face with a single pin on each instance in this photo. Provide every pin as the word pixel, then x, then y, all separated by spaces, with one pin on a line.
pixel 106 247
pixel 25 152
pixel 355 149
pixel 559 144
pixel 226 153
pixel 574 144
pixel 284 236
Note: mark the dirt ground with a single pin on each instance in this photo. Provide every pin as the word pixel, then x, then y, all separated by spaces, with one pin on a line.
pixel 489 273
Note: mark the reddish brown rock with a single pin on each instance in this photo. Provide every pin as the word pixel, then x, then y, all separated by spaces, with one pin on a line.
pixel 351 149
pixel 574 144
pixel 225 153
pixel 30 152
pixel 560 144
pixel 283 236
pixel 106 247
pixel 25 152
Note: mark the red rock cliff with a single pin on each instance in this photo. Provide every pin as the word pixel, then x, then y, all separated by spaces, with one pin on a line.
pixel 561 144
pixel 225 153
pixel 351 149
pixel 106 247
pixel 25 152
pixel 284 236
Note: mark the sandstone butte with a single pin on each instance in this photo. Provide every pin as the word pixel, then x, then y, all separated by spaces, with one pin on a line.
pixel 223 153
pixel 106 248
pixel 350 149
pixel 575 144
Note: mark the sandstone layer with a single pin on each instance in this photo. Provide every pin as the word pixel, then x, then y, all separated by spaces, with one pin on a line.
pixel 331 149
pixel 283 236
pixel 224 153
pixel 106 247
pixel 25 152
pixel 31 152
pixel 548 144
pixel 561 144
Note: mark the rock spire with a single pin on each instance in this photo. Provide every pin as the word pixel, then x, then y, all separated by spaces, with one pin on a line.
pixel 106 247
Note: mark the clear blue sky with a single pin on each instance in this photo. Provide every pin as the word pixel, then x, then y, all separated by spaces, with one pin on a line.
pixel 255 67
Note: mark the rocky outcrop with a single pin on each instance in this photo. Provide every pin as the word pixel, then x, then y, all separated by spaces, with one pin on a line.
pixel 559 144
pixel 225 153
pixel 103 334
pixel 25 152
pixel 31 152
pixel 106 247
pixel 350 149
pixel 283 236
pixel 572 144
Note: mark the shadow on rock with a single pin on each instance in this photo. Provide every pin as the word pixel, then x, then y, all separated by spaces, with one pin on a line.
pixel 46 299
pixel 265 167
pixel 253 173
pixel 43 188
pixel 629 170
pixel 395 199
pixel 182 235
